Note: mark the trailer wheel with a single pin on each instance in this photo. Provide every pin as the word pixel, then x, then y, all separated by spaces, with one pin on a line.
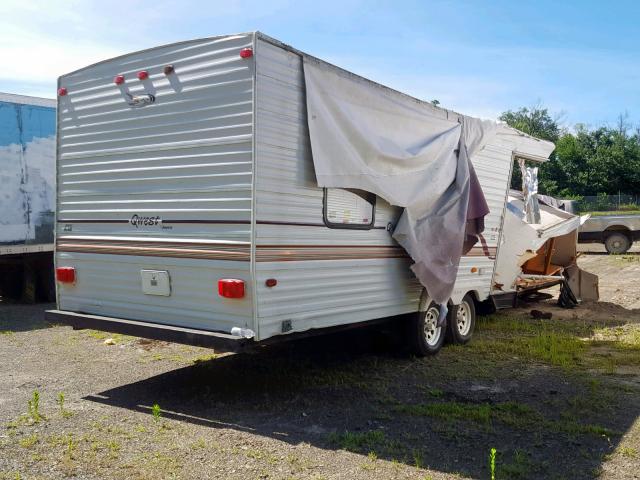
pixel 617 243
pixel 425 338
pixel 462 321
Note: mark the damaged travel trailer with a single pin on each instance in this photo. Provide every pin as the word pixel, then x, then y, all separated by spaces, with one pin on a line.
pixel 232 191
pixel 540 254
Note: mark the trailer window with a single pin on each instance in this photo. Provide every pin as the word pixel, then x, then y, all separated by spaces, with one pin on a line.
pixel 348 208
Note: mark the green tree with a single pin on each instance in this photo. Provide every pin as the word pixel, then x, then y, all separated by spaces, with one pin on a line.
pixel 588 161
pixel 537 122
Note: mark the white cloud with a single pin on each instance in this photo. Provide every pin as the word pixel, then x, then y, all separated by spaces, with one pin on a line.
pixel 30 56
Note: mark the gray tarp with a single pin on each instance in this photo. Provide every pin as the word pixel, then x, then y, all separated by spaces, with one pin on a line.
pixel 367 137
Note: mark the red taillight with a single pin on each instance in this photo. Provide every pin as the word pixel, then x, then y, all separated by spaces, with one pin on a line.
pixel 66 274
pixel 231 288
pixel 62 91
pixel 143 75
pixel 246 53
pixel 118 79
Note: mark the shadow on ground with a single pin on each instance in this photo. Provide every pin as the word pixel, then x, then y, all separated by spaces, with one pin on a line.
pixel 350 391
pixel 20 317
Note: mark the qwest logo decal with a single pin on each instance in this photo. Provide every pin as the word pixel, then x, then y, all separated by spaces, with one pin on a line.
pixel 140 221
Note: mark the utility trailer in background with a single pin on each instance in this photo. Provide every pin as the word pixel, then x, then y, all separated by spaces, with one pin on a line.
pixel 616 232
pixel 188 207
pixel 27 196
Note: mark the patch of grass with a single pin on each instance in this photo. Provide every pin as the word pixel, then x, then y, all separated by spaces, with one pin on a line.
pixel 436 392
pixel 549 342
pixel 33 407
pixel 114 449
pixel 156 412
pixel 141 429
pixel 150 464
pixel 60 401
pixel 30 441
pixel 517 415
pixel 624 336
pixel 358 441
pixel 418 461
pixel 6 332
pixel 492 463
pixel 205 358
pixel 626 258
pixel 118 338
pixel 572 427
pixel 628 452
pixel 97 334
pixel 519 467
pixel 10 475
pixel 480 413
pixel 157 357
pixel 513 414
pixel 198 445
pixel 72 445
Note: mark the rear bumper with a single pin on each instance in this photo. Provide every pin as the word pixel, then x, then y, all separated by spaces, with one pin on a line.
pixel 155 331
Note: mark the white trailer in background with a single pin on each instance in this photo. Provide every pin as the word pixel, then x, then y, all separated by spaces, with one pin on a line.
pixel 188 207
pixel 27 195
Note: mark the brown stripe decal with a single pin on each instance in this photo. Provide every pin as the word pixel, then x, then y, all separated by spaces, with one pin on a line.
pixel 242 252
pixel 276 253
pixel 204 251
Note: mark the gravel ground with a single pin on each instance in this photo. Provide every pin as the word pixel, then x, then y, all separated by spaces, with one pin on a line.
pixel 556 398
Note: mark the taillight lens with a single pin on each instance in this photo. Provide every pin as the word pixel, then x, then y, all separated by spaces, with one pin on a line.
pixel 246 53
pixel 62 91
pixel 66 274
pixel 231 288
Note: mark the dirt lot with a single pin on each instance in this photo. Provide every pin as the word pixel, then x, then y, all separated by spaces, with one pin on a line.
pixel 556 398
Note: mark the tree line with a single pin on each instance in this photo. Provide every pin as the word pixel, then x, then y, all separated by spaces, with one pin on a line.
pixel 586 161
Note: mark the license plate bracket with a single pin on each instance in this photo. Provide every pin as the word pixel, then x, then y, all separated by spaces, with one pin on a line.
pixel 156 282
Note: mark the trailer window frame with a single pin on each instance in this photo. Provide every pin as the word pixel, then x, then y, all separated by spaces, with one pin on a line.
pixel 368 197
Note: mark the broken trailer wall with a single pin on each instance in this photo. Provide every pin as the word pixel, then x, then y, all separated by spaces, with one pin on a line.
pixel 547 248
pixel 27 172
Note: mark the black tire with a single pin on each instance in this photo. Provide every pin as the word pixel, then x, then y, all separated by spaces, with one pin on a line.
pixel 461 321
pixel 423 337
pixel 617 243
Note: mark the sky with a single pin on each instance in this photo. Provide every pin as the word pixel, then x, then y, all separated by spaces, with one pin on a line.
pixel 580 59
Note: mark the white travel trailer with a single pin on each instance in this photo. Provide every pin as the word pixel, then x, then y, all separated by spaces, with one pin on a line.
pixel 188 207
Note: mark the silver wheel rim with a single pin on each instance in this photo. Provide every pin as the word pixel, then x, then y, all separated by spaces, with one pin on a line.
pixel 432 332
pixel 463 319
pixel 616 244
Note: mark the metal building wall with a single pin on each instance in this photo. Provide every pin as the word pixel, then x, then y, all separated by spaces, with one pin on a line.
pixel 27 173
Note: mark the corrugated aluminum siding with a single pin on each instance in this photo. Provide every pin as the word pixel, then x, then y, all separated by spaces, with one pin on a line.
pixel 319 293
pixel 369 282
pixel 492 165
pixel 187 158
